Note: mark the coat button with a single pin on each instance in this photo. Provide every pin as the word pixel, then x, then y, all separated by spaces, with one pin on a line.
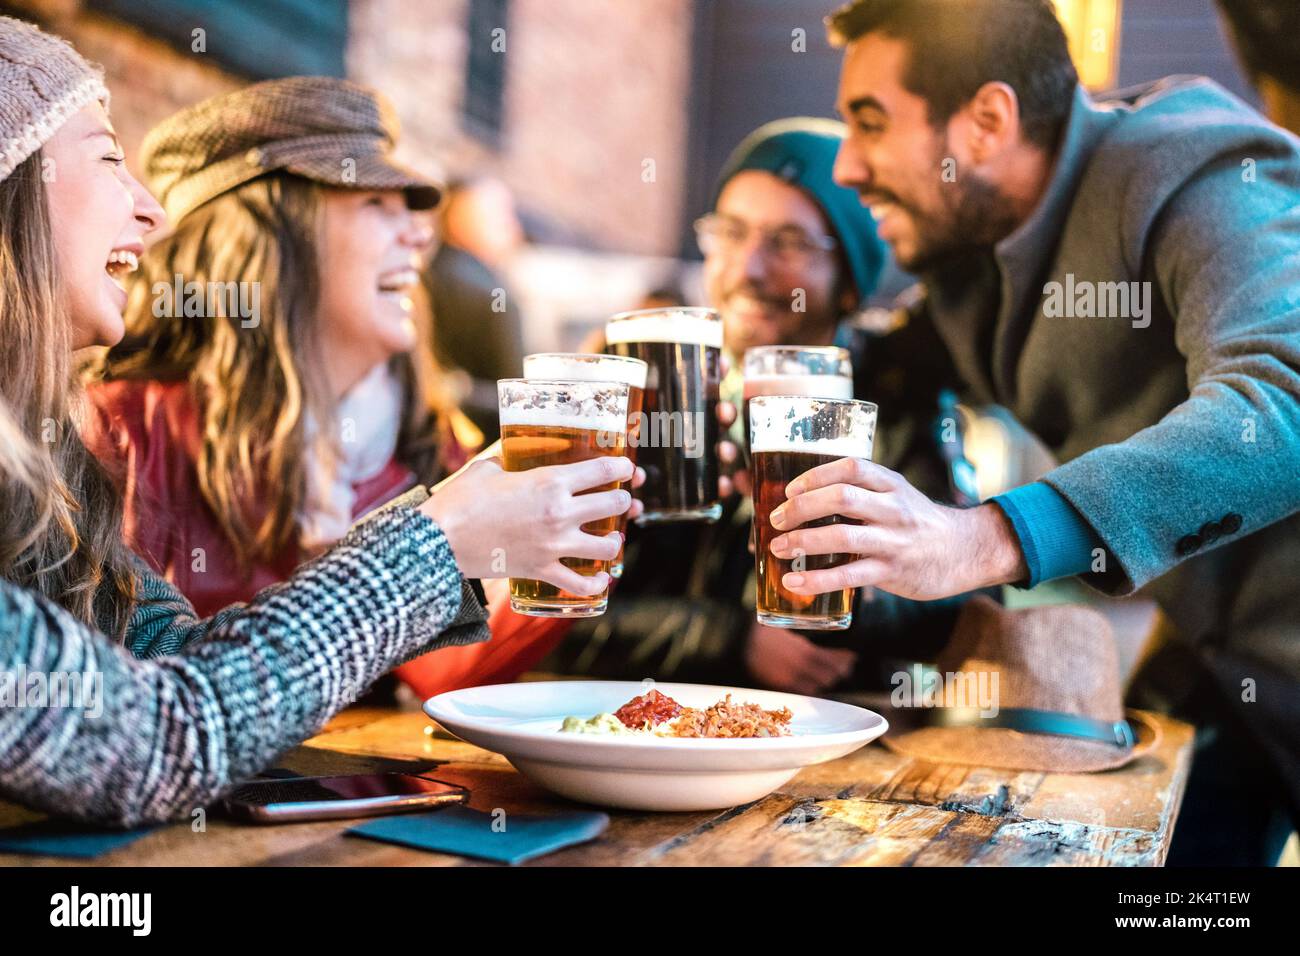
pixel 1187 544
pixel 1210 531
pixel 1230 524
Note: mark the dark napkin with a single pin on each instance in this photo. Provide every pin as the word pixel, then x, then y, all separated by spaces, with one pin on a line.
pixel 61 838
pixel 467 832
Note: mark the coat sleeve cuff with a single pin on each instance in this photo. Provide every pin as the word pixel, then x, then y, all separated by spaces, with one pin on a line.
pixel 1057 542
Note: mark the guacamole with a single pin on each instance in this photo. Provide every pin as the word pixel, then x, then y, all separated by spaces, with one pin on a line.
pixel 600 724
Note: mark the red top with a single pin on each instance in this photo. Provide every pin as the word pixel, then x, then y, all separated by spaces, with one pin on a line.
pixel 147 434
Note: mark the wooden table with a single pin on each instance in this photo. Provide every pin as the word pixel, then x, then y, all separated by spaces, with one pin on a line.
pixel 873 808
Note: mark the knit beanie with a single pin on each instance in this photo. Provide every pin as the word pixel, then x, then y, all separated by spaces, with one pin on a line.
pixel 802 151
pixel 43 81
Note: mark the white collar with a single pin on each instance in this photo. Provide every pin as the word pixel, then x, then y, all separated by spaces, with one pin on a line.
pixel 368 419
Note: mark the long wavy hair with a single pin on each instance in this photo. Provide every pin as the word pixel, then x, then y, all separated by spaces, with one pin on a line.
pixel 60 514
pixel 255 387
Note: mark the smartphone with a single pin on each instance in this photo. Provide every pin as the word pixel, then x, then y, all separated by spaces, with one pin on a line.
pixel 292 799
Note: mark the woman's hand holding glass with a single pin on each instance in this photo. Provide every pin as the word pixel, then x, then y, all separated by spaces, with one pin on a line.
pixel 519 524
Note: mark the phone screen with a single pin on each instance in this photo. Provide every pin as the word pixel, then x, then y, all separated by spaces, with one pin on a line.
pixel 321 797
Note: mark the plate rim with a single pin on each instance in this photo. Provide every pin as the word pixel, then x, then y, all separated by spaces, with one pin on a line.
pixel 877 728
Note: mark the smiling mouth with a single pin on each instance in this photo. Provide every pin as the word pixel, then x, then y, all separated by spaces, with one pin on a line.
pixel 880 207
pixel 398 281
pixel 121 263
pixel 748 305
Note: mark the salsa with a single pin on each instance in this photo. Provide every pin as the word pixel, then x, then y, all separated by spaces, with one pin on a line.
pixel 653 708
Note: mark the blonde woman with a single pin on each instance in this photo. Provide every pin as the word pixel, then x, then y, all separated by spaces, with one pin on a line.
pixel 223 696
pixel 270 387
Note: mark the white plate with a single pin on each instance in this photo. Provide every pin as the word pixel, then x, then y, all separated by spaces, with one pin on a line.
pixel 522 723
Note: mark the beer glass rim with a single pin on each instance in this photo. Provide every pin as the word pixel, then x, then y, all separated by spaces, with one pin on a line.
pixel 599 356
pixel 522 380
pixel 696 310
pixel 836 350
pixel 764 399
pixel 628 366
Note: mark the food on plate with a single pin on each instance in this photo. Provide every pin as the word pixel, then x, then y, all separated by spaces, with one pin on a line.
pixel 725 719
pixel 658 715
pixel 648 710
pixel 600 724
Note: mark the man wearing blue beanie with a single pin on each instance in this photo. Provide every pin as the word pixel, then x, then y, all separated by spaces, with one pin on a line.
pixel 816 239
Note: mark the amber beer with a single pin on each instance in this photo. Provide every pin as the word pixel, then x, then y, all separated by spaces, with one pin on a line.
pixel 678 435
pixel 789 434
pixel 581 367
pixel 557 423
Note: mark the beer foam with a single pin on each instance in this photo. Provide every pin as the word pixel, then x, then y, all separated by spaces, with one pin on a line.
pixel 686 328
pixel 810 386
pixel 551 417
pixel 842 447
pixel 558 367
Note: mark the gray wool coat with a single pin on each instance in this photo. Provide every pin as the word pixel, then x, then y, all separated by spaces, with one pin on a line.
pixel 1175 415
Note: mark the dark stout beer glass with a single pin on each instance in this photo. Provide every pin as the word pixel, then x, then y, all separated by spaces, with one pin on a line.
pixel 678 434
pixel 557 423
pixel 581 367
pixel 790 434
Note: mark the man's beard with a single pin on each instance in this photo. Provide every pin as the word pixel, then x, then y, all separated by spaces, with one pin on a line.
pixel 978 216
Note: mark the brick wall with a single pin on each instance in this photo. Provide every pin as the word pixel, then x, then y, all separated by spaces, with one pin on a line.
pixel 589 96
pixel 414 52
pixel 594 96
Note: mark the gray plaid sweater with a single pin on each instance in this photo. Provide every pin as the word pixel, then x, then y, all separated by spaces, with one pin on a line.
pixel 213 702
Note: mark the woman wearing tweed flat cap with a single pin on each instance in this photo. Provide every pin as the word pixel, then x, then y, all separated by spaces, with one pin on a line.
pixel 286 188
pixel 216 700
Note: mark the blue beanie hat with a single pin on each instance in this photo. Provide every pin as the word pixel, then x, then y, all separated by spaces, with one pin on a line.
pixel 801 151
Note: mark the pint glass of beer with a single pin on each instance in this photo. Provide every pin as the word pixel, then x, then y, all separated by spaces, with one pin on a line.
pixel 580 367
pixel 790 434
pixel 557 423
pixel 678 435
pixel 815 371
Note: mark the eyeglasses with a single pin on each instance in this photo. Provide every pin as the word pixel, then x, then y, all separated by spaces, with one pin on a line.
pixel 790 247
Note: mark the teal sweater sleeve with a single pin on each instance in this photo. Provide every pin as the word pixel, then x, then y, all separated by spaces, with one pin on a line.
pixel 1057 542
